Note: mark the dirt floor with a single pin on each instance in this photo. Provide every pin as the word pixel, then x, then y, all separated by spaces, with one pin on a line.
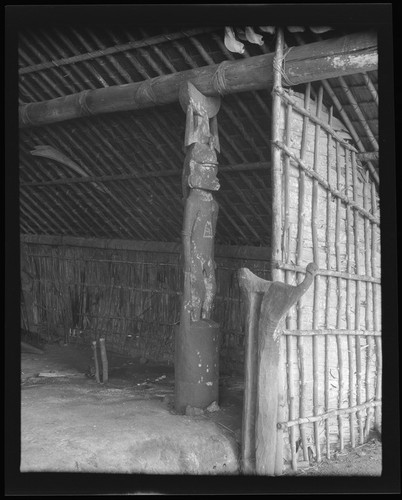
pixel 71 423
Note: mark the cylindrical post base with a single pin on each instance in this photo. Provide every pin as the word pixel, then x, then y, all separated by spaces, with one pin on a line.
pixel 196 365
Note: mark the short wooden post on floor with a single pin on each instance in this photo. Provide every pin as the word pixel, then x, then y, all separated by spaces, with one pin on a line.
pixel 105 366
pixel 97 377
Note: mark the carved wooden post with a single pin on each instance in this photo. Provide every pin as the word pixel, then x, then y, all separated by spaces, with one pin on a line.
pixel 197 337
pixel 266 304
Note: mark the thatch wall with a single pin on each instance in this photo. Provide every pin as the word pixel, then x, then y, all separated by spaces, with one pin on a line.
pixel 332 345
pixel 128 292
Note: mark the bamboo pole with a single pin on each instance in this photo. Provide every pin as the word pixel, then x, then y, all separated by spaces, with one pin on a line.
pixel 315 61
pixel 369 303
pixel 300 246
pixel 286 251
pixel 291 397
pixel 348 306
pixel 339 308
pixel 317 287
pixel 328 286
pixel 357 301
pixel 376 319
pixel 276 175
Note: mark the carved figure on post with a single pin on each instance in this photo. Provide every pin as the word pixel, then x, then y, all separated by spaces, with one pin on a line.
pixel 201 209
pixel 200 217
pixel 197 337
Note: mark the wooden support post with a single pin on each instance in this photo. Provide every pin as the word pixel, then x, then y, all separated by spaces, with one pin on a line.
pixel 94 350
pixel 105 366
pixel 197 336
pixel 276 175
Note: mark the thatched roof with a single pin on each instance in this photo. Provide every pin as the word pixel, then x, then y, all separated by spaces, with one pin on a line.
pixel 125 177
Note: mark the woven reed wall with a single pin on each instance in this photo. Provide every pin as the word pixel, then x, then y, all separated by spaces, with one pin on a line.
pixel 130 297
pixel 332 342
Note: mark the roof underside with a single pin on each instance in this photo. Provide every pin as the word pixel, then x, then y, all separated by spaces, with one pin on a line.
pixel 149 143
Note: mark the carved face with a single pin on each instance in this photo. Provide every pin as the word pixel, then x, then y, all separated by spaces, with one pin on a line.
pixel 203 176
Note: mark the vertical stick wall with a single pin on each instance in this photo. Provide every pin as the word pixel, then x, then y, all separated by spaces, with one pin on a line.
pixel 329 214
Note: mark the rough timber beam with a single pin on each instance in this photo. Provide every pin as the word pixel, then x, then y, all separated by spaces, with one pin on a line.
pixel 356 53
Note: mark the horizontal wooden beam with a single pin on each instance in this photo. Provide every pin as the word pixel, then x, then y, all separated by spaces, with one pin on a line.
pixel 225 169
pixel 224 251
pixel 355 53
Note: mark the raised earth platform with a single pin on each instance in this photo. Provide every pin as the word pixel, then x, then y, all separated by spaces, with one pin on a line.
pixel 71 423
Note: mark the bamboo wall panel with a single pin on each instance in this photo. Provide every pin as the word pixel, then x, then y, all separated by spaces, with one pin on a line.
pixel 130 297
pixel 335 387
